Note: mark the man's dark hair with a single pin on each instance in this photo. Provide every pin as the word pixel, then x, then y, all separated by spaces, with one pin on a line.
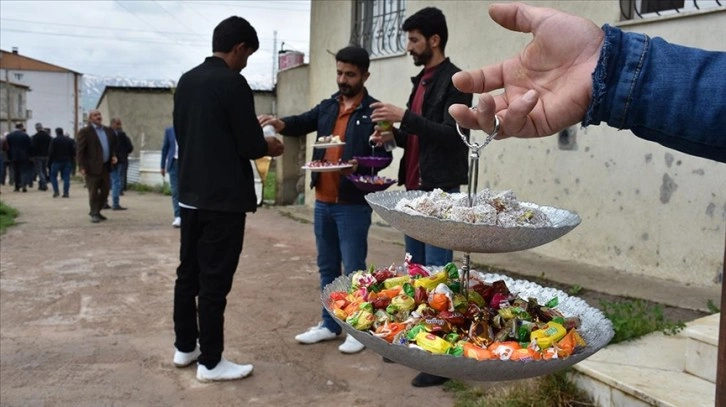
pixel 233 31
pixel 354 55
pixel 428 21
pixel 59 131
pixel 19 126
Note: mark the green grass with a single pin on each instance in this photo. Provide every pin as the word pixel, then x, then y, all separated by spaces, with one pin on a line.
pixel 7 217
pixel 269 188
pixel 553 390
pixel 634 318
pixel 158 188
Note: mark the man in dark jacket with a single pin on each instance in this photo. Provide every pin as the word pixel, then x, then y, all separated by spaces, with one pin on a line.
pixel 96 153
pixel 217 134
pixel 435 155
pixel 342 216
pixel 60 154
pixel 118 173
pixel 39 147
pixel 19 153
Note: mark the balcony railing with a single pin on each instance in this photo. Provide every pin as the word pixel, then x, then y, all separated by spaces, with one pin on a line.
pixel 638 9
pixel 377 26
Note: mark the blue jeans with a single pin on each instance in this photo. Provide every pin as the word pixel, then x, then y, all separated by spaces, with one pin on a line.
pixel 341 235
pixel 117 183
pixel 426 254
pixel 64 167
pixel 174 185
pixel 41 169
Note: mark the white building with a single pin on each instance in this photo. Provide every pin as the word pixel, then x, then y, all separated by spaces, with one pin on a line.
pixel 55 94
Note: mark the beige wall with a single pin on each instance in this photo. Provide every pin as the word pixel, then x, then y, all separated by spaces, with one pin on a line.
pixel 293 89
pixel 144 115
pixel 645 209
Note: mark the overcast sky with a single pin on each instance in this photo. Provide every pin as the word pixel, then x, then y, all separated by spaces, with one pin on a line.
pixel 146 39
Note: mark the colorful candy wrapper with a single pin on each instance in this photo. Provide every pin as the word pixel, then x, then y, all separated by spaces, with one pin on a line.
pixel 361 320
pixel 432 343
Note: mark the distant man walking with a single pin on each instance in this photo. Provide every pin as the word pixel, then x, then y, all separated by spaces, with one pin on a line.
pixel 118 172
pixel 19 154
pixel 95 154
pixel 39 147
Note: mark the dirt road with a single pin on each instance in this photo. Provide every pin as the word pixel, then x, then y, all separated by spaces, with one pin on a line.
pixel 86 314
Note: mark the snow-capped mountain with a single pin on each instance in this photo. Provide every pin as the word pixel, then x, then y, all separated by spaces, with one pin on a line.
pixel 93 86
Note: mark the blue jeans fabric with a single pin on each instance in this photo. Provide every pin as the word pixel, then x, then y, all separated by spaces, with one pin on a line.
pixel 341 235
pixel 174 185
pixel 426 254
pixel 40 165
pixel 64 168
pixel 117 183
pixel 642 84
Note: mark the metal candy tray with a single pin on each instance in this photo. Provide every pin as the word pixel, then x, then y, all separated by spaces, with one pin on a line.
pixel 595 329
pixel 470 237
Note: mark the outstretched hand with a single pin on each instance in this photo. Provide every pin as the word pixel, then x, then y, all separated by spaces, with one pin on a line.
pixel 547 87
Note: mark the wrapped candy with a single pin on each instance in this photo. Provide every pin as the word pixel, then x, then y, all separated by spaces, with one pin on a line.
pixel 360 320
pixel 432 343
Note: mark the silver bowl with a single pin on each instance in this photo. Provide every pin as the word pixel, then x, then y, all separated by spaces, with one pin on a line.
pixel 470 237
pixel 595 329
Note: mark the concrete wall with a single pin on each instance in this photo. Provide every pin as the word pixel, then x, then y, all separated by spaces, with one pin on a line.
pixel 293 89
pixel 144 114
pixel 645 209
pixel 51 98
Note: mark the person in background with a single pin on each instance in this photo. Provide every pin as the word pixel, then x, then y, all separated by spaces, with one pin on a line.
pixel 560 79
pixel 61 153
pixel 19 154
pixel 95 154
pixel 118 173
pixel 3 157
pixel 169 160
pixel 217 134
pixel 342 216
pixel 39 151
pixel 435 156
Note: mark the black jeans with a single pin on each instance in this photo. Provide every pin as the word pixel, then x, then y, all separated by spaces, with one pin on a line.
pixel 211 243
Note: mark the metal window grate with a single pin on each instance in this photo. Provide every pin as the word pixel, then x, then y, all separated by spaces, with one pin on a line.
pixel 377 26
pixel 638 9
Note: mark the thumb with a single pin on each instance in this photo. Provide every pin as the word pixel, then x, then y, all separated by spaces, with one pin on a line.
pixel 515 16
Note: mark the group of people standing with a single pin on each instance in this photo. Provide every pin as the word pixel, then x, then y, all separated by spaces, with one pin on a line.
pixel 39 157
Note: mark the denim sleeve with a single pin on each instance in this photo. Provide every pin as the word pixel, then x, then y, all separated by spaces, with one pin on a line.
pixel 662 92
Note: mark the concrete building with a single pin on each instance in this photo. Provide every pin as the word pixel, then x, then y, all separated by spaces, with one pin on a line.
pixel 13 105
pixel 645 209
pixel 55 97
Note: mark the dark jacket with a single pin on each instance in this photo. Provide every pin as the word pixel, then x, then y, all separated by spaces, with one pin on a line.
pixel 89 152
pixel 61 149
pixel 39 144
pixel 218 134
pixel 443 156
pixel 18 146
pixel 322 119
pixel 124 147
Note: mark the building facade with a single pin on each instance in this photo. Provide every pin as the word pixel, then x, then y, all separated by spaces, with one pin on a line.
pixel 13 105
pixel 54 99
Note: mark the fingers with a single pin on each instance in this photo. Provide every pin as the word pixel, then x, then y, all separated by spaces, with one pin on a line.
pixel 517 123
pixel 480 118
pixel 513 16
pixel 482 80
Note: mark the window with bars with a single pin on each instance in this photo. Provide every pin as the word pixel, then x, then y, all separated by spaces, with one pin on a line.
pixel 636 9
pixel 377 26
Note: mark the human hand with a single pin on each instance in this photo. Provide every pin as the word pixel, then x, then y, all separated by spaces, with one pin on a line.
pixel 347 171
pixel 114 160
pixel 547 87
pixel 265 119
pixel 163 173
pixel 387 112
pixel 274 146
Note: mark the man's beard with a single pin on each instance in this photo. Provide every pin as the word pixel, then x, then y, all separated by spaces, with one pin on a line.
pixel 423 58
pixel 347 90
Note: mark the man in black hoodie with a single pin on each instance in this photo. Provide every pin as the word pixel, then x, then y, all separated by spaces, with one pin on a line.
pixel 40 142
pixel 217 134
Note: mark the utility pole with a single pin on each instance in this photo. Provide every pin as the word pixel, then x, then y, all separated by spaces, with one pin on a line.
pixel 274 56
